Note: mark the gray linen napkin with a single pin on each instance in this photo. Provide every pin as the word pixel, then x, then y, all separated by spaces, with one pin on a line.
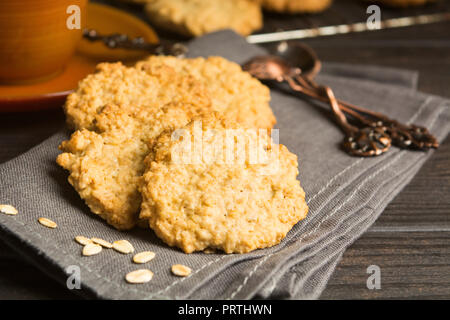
pixel 345 195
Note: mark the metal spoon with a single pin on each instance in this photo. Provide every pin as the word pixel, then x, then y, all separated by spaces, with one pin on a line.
pixel 377 129
pixel 367 141
pixel 123 41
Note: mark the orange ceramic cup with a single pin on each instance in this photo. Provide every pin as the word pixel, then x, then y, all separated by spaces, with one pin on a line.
pixel 38 37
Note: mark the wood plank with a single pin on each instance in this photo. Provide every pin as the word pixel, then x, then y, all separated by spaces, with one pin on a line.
pixel 413 265
pixel 21 131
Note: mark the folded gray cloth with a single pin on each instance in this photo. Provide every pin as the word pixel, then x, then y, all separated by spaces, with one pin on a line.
pixel 345 195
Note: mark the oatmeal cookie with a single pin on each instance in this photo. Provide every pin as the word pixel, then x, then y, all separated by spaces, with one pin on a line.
pixel 158 81
pixel 136 1
pixel 404 3
pixel 295 6
pixel 198 17
pixel 210 203
pixel 105 164
pixel 119 110
pixel 234 94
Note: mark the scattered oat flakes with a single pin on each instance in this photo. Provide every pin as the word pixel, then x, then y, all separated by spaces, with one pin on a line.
pixel 143 257
pixel 91 249
pixel 83 240
pixel 123 246
pixel 181 270
pixel 47 222
pixel 139 276
pixel 8 209
pixel 102 242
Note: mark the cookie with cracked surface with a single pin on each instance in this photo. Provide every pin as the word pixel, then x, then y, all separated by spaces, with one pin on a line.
pixel 198 17
pixel 199 203
pixel 295 6
pixel 234 94
pixel 404 3
pixel 105 164
pixel 160 80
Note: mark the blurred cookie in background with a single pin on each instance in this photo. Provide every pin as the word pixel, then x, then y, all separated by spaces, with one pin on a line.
pixel 198 17
pixel 404 3
pixel 295 6
pixel 135 1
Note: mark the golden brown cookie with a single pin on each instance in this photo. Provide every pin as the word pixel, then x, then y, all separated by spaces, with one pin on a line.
pixel 198 17
pixel 224 85
pixel 295 6
pixel 235 204
pixel 136 1
pixel 119 110
pixel 234 94
pixel 404 3
pixel 105 164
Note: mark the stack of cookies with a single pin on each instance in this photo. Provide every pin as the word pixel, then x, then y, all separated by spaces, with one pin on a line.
pixel 134 156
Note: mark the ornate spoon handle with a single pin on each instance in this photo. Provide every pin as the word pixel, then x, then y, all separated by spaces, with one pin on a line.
pixel 407 136
pixel 122 41
pixel 362 142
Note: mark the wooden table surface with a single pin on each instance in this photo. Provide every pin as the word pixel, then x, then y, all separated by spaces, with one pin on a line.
pixel 410 242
